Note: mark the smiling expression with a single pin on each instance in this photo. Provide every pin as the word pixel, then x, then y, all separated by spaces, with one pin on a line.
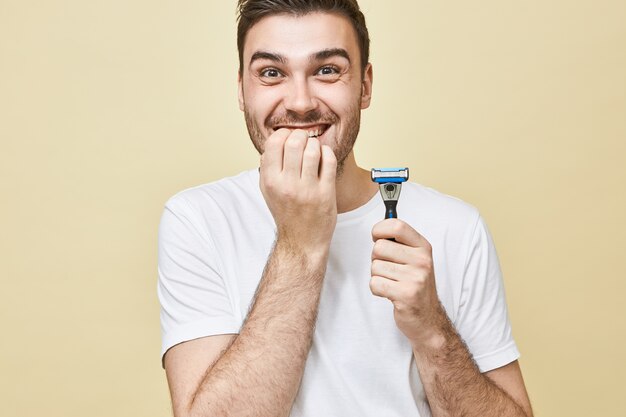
pixel 304 73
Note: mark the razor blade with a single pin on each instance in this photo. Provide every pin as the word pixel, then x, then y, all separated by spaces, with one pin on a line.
pixel 390 183
pixel 386 175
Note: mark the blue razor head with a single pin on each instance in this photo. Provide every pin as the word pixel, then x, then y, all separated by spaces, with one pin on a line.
pixel 385 175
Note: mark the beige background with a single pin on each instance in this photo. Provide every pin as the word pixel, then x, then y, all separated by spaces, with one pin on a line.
pixel 107 108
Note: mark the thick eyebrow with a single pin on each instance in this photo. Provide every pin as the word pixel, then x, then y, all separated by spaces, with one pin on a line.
pixel 269 56
pixel 317 56
pixel 329 53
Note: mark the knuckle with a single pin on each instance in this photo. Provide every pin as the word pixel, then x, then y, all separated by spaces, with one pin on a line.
pixel 397 227
pixel 378 247
pixel 378 285
pixel 375 266
pixel 373 285
pixel 289 193
pixel 426 264
pixel 422 258
pixel 268 184
pixel 420 262
pixel 377 229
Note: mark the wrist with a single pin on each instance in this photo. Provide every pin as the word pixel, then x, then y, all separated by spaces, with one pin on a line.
pixel 434 338
pixel 309 254
pixel 306 240
pixel 432 341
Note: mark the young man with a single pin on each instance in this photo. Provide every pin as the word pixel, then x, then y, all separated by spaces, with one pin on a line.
pixel 281 291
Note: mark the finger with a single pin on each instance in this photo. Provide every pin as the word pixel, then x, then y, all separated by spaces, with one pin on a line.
pixel 383 287
pixel 272 158
pixel 294 148
pixel 328 171
pixel 395 252
pixel 389 270
pixel 311 159
pixel 401 231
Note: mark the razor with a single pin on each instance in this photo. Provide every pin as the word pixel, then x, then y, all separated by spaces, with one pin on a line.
pixel 390 183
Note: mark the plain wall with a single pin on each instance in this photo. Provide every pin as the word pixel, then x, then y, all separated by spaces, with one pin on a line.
pixel 107 108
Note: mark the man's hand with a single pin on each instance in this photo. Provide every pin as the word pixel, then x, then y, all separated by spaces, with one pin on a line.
pixel 403 272
pixel 213 376
pixel 298 184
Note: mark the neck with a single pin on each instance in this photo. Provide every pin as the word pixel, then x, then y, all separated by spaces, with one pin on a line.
pixel 354 186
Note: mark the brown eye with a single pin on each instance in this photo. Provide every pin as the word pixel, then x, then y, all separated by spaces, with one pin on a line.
pixel 328 70
pixel 270 72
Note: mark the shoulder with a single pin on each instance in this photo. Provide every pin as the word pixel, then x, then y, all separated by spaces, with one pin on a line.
pixel 219 207
pixel 225 194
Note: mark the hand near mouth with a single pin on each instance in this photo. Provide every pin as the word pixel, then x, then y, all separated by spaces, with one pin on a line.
pixel 298 183
pixel 313 131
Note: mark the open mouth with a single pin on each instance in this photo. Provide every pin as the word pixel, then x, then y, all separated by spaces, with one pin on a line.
pixel 314 131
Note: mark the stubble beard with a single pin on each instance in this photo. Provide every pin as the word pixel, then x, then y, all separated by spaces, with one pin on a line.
pixel 341 147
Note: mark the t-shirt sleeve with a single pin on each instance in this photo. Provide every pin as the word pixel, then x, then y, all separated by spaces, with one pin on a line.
pixel 482 319
pixel 194 299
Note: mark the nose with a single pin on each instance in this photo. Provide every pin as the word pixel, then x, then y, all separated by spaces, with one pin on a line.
pixel 299 97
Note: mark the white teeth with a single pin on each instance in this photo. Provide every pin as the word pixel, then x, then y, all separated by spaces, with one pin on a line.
pixel 314 133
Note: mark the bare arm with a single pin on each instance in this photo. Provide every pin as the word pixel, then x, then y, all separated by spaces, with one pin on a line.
pixel 259 373
pixel 455 387
pixel 403 272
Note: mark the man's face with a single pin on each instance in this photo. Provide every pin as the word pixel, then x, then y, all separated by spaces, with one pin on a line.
pixel 304 73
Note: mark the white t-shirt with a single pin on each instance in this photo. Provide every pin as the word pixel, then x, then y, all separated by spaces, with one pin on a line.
pixel 214 241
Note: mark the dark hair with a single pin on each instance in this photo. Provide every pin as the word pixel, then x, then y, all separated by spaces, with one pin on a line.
pixel 250 12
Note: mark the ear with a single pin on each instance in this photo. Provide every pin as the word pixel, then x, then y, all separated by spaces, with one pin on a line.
pixel 240 91
pixel 366 86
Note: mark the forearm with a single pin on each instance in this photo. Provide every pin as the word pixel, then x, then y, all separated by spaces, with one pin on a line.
pixel 260 373
pixel 453 383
